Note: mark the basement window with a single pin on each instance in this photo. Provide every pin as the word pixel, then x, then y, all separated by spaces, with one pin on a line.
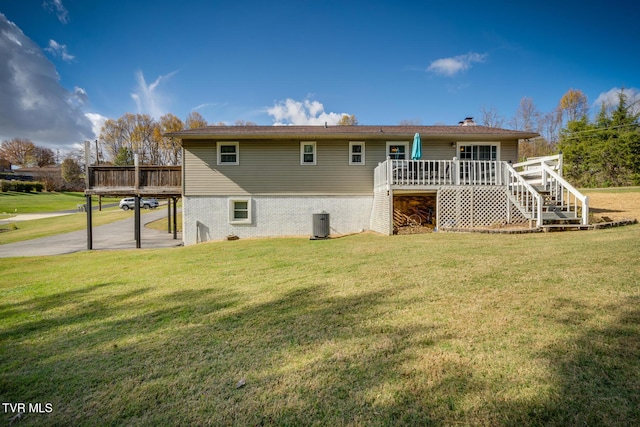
pixel 239 211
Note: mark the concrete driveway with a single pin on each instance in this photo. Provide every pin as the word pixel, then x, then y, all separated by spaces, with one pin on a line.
pixel 117 235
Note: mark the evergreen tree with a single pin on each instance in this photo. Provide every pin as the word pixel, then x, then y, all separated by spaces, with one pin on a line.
pixel 124 157
pixel 605 152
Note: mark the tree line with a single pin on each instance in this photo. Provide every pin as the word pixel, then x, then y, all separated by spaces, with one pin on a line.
pixel 140 134
pixel 599 151
pixel 603 151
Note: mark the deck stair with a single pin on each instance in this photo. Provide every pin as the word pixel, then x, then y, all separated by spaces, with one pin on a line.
pixel 556 201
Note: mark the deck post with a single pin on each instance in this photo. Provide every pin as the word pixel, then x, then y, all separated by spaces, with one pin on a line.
pixel 137 222
pixel 89 223
pixel 585 211
pixel 175 220
pixel 168 215
pixel 456 170
pixel 136 163
pixel 560 165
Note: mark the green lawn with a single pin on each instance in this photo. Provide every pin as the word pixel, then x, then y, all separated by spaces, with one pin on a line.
pixel 11 232
pixel 32 229
pixel 433 329
pixel 19 203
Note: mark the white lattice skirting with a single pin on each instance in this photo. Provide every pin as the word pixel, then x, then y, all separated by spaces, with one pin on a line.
pixel 381 213
pixel 472 207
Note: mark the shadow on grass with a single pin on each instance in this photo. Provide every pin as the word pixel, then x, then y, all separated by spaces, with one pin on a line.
pixel 307 357
pixel 602 210
pixel 596 375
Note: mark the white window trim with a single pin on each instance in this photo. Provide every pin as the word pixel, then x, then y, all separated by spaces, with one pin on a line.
pixel 219 153
pixel 496 143
pixel 232 203
pixel 407 153
pixel 362 154
pixel 315 152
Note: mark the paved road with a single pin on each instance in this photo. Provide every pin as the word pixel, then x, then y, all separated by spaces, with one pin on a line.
pixel 117 235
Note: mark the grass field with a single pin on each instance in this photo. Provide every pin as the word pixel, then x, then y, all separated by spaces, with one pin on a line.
pixel 433 329
pixel 12 203
pixel 53 202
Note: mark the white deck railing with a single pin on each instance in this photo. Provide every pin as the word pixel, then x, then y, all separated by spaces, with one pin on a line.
pixel 568 198
pixel 524 181
pixel 531 167
pixel 528 200
pixel 427 173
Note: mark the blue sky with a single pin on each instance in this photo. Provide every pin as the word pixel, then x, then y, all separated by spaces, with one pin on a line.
pixel 72 63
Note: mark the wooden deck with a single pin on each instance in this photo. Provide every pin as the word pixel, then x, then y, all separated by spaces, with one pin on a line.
pixel 148 181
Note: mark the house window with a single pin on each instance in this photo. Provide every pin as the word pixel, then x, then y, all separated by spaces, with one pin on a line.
pixel 397 150
pixel 356 153
pixel 240 211
pixel 228 153
pixel 308 153
pixel 487 152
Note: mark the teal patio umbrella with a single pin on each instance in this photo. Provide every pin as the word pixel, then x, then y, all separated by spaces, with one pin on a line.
pixel 416 149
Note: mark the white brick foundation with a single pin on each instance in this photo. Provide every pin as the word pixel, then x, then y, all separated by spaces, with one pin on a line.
pixel 207 217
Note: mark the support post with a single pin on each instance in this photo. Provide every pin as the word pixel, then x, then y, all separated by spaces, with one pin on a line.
pixel 136 163
pixel 175 221
pixel 168 215
pixel 560 164
pixel 89 223
pixel 456 171
pixel 137 222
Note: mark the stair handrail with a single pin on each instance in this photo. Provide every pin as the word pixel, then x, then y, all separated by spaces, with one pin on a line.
pixel 548 172
pixel 517 185
pixel 555 159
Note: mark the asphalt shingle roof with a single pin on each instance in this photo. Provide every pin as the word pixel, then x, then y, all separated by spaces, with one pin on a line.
pixel 331 132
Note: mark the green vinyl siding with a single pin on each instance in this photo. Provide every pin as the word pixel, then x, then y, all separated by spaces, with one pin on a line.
pixel 273 167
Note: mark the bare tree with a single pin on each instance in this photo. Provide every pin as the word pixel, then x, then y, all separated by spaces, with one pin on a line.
pixel 490 117
pixel 43 156
pixel 348 120
pixel 195 120
pixel 72 173
pixel 116 135
pixel 18 151
pixel 574 104
pixel 170 147
pixel 244 123
pixel 549 125
pixel 143 141
pixel 527 114
pixel 410 122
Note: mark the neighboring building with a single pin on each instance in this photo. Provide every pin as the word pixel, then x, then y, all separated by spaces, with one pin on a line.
pixel 259 181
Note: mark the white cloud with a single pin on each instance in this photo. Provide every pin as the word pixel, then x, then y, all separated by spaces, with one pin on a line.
pixel 97 121
pixel 59 50
pixel 610 99
pixel 81 95
pixel 291 112
pixel 56 6
pixel 148 98
pixel 33 104
pixel 456 64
